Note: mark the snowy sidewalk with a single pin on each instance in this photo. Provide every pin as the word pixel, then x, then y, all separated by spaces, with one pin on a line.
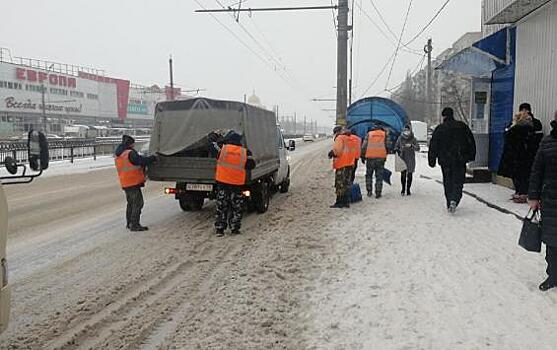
pixel 401 273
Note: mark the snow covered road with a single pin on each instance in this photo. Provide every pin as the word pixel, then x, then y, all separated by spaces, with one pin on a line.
pixel 398 273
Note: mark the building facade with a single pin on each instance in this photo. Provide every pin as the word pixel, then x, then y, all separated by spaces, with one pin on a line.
pixel 43 95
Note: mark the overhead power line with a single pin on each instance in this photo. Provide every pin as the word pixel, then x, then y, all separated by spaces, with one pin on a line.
pixel 399 42
pixel 429 23
pixel 269 9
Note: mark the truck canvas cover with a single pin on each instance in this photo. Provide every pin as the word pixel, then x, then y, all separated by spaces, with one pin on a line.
pixel 181 129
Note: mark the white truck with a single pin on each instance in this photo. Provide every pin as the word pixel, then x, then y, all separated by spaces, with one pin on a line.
pixel 181 140
pixel 18 174
pixel 419 129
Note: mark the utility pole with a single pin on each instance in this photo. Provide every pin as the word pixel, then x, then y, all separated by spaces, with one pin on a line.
pixel 295 121
pixel 305 125
pixel 171 78
pixel 342 62
pixel 428 49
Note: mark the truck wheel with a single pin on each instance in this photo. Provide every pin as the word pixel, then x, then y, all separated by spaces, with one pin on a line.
pixel 191 202
pixel 285 185
pixel 261 197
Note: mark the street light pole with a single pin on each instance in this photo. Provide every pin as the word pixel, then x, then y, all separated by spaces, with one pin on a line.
pixel 43 107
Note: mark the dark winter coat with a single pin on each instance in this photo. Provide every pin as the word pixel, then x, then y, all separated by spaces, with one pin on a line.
pixel 406 147
pixel 521 145
pixel 543 185
pixel 134 157
pixel 452 142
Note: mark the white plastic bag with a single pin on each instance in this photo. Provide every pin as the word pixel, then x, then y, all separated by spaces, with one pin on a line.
pixel 400 164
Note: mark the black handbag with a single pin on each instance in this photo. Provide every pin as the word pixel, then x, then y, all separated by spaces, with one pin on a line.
pixel 531 234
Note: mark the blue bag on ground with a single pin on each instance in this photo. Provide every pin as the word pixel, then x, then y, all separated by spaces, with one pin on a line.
pixel 387 176
pixel 355 193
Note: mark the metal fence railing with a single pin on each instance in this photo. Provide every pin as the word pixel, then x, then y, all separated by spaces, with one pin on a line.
pixel 63 149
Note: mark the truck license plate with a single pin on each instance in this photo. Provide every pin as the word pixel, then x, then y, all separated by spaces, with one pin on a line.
pixel 199 187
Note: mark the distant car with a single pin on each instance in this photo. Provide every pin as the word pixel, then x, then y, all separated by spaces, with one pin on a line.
pixel 308 138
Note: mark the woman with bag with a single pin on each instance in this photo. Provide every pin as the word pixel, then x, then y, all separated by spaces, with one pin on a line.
pixel 542 196
pixel 406 147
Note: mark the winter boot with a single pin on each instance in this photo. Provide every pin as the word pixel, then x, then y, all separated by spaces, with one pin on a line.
pixel 452 207
pixel 346 202
pixel 378 195
pixel 220 232
pixel 236 231
pixel 370 194
pixel 547 285
pixel 138 228
pixel 338 203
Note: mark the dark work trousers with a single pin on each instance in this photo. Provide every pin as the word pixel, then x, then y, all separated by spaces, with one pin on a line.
pixel 454 175
pixel 135 204
pixel 551 259
pixel 375 166
pixel 521 185
pixel 230 206
pixel 354 172
pixel 406 180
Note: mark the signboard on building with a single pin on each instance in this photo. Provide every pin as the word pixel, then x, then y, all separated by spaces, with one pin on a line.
pixel 21 90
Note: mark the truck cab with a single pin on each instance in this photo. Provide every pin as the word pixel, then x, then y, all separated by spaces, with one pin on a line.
pixel 18 174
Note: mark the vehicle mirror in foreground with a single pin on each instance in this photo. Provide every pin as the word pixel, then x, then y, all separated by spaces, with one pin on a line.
pixel 38 151
pixel 11 165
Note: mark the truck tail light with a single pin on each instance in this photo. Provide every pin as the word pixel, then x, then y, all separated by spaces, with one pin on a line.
pixel 170 190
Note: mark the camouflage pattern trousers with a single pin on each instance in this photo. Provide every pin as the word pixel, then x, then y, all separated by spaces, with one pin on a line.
pixel 343 180
pixel 230 206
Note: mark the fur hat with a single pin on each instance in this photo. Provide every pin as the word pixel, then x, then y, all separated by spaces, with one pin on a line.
pixel 128 140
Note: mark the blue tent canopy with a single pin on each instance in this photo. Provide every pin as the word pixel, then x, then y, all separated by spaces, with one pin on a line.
pixel 362 115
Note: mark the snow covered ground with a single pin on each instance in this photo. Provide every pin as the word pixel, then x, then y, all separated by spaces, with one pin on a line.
pixel 395 273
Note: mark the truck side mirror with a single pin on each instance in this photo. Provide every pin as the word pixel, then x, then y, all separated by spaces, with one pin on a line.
pixel 38 151
pixel 292 145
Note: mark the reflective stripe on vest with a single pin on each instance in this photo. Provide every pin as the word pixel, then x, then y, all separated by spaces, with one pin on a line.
pixel 346 156
pixel 231 165
pixel 356 146
pixel 130 175
pixel 376 144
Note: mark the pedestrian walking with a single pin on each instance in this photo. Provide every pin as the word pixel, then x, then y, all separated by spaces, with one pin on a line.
pixel 521 145
pixel 343 164
pixel 453 146
pixel 406 147
pixel 542 195
pixel 233 163
pixel 374 155
pixel 130 166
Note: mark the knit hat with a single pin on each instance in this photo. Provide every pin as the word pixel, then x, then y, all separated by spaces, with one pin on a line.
pixel 337 129
pixel 127 140
pixel 447 112
pixel 234 138
pixel 525 106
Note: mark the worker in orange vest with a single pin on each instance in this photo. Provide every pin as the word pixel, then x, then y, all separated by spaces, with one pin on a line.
pixel 356 144
pixel 374 155
pixel 233 163
pixel 343 163
pixel 130 166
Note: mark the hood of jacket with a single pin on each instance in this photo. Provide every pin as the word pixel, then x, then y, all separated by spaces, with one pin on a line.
pixel 407 137
pixel 120 149
pixel 554 129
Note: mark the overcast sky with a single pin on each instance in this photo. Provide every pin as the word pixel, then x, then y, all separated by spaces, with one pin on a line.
pixel 290 59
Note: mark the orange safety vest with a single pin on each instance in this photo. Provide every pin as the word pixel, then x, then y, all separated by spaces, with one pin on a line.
pixel 130 175
pixel 376 144
pixel 356 146
pixel 344 152
pixel 231 165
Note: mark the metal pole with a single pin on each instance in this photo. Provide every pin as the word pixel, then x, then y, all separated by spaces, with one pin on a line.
pixel 43 107
pixel 305 125
pixel 342 62
pixel 428 50
pixel 171 78
pixel 295 121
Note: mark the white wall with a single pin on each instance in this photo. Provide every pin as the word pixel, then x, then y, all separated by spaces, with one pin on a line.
pixel 489 9
pixel 536 70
